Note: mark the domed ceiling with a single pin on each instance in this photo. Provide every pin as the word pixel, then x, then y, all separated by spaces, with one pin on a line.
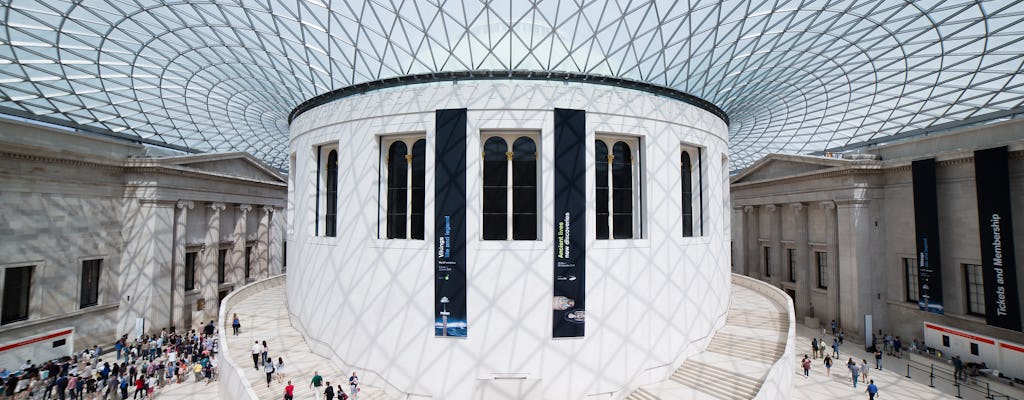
pixel 792 76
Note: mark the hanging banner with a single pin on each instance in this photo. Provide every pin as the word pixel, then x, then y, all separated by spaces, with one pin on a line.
pixel 995 226
pixel 926 224
pixel 570 223
pixel 450 223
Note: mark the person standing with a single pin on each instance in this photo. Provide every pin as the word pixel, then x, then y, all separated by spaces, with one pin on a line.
pixel 353 385
pixel 878 359
pixel 864 370
pixel 872 390
pixel 958 366
pixel 834 326
pixel 329 392
pixel 835 347
pixel 806 364
pixel 289 391
pixel 814 347
pixel 256 351
pixel 279 368
pixel 235 324
pixel 828 365
pixel 316 383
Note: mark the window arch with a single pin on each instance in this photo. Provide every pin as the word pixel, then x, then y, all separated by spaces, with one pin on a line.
pixel 509 187
pixel 405 191
pixel 617 188
pixel 331 202
pixel 687 193
pixel 692 190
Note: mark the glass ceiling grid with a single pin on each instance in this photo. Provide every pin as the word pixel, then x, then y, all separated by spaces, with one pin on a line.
pixel 793 76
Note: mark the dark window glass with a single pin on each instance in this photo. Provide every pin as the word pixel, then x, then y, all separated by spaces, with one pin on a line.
pixel 910 274
pixel 90 283
pixel 331 216
pixel 495 191
pixel 791 255
pixel 397 176
pixel 190 271
pixel 974 349
pixel 601 189
pixel 524 189
pixel 622 191
pixel 822 258
pixel 684 172
pixel 248 261
pixel 767 262
pixel 975 289
pixel 222 256
pixel 418 192
pixel 945 341
pixel 17 285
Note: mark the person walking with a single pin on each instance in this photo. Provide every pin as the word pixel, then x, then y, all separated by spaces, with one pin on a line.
pixel 266 351
pixel 864 370
pixel 353 384
pixel 854 372
pixel 835 347
pixel 329 392
pixel 268 367
pixel 958 367
pixel 289 391
pixel 316 383
pixel 828 365
pixel 806 364
pixel 236 324
pixel 279 368
pixel 814 347
pixel 872 390
pixel 256 351
pixel 834 326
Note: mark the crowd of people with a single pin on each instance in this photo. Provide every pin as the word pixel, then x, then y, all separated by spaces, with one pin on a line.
pixel 140 367
pixel 859 371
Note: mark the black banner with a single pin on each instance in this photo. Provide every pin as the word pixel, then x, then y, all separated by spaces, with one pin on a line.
pixel 450 223
pixel 995 225
pixel 570 223
pixel 926 223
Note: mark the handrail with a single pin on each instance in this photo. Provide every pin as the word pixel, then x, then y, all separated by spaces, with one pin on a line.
pixel 781 370
pixel 232 382
pixel 986 391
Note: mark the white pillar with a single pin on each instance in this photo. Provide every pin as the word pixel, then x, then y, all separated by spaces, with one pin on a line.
pixel 753 261
pixel 854 254
pixel 262 267
pixel 834 293
pixel 277 232
pixel 178 306
pixel 803 256
pixel 145 272
pixel 739 241
pixel 774 244
pixel 208 285
pixel 236 258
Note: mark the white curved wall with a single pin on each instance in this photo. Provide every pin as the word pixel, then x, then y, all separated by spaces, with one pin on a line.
pixel 648 300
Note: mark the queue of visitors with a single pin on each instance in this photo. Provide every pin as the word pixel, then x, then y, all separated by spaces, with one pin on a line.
pixel 140 367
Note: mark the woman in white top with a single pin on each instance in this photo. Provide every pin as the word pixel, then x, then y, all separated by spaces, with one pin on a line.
pixel 279 369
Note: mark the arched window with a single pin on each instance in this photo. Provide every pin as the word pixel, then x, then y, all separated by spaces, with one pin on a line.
pixel 417 192
pixel 524 189
pixel 331 201
pixel 509 187
pixel 617 188
pixel 687 195
pixel 397 187
pixel 495 190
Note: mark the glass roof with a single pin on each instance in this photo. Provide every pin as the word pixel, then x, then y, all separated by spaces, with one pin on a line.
pixel 793 76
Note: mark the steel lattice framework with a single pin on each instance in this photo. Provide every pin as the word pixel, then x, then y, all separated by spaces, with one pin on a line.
pixel 793 76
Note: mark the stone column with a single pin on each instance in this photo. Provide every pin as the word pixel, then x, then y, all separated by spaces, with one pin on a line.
pixel 753 244
pixel 739 241
pixel 833 264
pixel 854 237
pixel 145 271
pixel 207 280
pixel 277 232
pixel 803 265
pixel 775 244
pixel 262 267
pixel 178 306
pixel 236 258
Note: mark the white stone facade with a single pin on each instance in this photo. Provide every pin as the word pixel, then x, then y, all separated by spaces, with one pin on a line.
pixel 66 198
pixel 858 210
pixel 367 302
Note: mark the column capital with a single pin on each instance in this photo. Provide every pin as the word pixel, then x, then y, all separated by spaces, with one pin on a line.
pixel 828 205
pixel 186 204
pixel 748 209
pixel 796 206
pixel 770 208
pixel 268 209
pixel 217 207
pixel 244 208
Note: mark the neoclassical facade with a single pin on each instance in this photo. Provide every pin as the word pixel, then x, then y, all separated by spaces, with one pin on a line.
pixel 508 238
pixel 840 235
pixel 101 237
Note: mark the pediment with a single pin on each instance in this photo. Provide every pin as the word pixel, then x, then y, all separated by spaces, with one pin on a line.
pixel 775 166
pixel 240 165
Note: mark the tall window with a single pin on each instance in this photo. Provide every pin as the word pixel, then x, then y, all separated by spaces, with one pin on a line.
pixel 248 261
pixel 190 270
pixel 406 184
pixel 975 286
pixel 910 279
pixel 17 285
pixel 791 262
pixel 90 283
pixel 822 263
pixel 222 256
pixel 501 167
pixel 692 190
pixel 767 261
pixel 617 188
pixel 331 200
